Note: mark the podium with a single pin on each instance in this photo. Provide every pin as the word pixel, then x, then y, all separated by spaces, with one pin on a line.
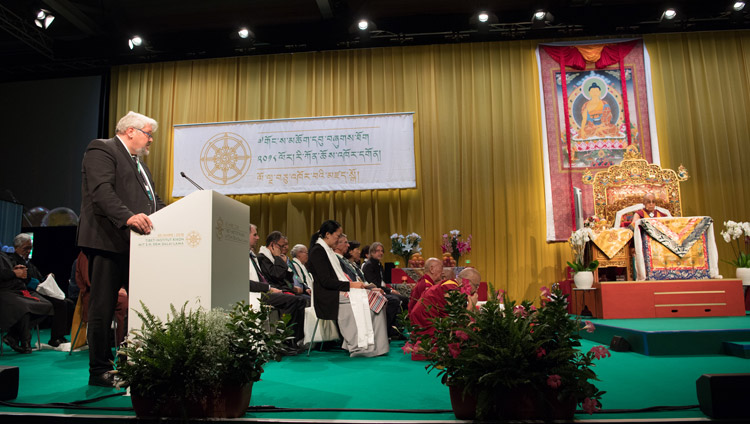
pixel 197 253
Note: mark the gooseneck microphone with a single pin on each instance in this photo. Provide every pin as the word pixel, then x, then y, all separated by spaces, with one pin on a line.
pixel 191 181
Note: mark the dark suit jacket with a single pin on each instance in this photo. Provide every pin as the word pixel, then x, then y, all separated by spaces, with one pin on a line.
pixel 277 273
pixel 326 285
pixel 111 192
pixel 374 274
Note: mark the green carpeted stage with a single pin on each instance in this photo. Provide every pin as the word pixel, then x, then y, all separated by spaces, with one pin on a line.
pixel 330 386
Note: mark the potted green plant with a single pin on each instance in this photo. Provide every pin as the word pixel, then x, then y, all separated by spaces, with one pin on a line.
pixel 583 276
pixel 739 232
pixel 515 361
pixel 199 363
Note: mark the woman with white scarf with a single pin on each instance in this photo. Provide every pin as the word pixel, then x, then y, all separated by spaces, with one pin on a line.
pixel 337 298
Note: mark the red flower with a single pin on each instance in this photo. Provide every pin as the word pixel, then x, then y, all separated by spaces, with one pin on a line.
pixel 590 405
pixel 545 292
pixel 554 381
pixel 600 352
pixel 408 348
pixel 589 327
pixel 455 349
pixel 462 335
pixel 520 311
pixel 540 352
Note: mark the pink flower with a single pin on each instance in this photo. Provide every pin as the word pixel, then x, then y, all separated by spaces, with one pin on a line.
pixel 455 349
pixel 532 308
pixel 411 348
pixel 540 352
pixel 520 311
pixel 466 286
pixel 461 335
pixel 545 291
pixel 500 295
pixel 554 381
pixel 589 327
pixel 590 405
pixel 600 352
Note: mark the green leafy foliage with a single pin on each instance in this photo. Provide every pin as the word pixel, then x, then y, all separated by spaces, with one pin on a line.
pixel 579 266
pixel 196 352
pixel 506 345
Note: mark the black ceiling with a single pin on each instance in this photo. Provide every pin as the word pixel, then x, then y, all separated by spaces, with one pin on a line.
pixel 89 36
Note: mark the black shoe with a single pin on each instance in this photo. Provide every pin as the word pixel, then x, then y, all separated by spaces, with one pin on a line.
pixel 57 342
pixel 105 379
pixel 25 348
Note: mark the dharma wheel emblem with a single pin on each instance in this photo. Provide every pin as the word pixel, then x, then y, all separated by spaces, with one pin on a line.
pixel 193 239
pixel 225 158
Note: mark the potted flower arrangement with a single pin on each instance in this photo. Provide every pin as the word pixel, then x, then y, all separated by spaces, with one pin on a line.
pixel 739 232
pixel 405 245
pixel 199 363
pixel 583 272
pixel 453 244
pixel 513 361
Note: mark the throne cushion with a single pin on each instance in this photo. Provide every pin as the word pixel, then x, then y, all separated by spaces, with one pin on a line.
pixel 628 213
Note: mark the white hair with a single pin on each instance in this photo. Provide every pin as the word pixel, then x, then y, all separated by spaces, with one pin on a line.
pixel 21 239
pixel 297 248
pixel 135 120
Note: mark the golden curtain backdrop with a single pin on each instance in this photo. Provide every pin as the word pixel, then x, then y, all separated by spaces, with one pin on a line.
pixel 477 137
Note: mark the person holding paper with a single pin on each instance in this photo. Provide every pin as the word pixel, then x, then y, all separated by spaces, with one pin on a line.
pixel 21 306
pixel 117 197
pixel 335 297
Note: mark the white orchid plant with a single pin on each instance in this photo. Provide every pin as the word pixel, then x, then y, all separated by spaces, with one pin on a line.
pixel 577 241
pixel 737 234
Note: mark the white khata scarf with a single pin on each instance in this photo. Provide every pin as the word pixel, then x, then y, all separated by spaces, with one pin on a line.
pixel 253 272
pixel 266 252
pixel 357 299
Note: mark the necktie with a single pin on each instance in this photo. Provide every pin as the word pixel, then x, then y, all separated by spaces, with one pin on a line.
pixel 257 269
pixel 143 178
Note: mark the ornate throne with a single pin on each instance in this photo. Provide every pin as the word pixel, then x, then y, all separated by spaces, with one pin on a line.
pixel 618 189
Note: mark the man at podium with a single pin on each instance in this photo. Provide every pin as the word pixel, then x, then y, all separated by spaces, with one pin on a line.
pixel 117 195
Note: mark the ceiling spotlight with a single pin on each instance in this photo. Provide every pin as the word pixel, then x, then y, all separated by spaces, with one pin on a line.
pixel 669 13
pixel 483 17
pixel 539 15
pixel 135 42
pixel 363 24
pixel 243 33
pixel 738 5
pixel 44 18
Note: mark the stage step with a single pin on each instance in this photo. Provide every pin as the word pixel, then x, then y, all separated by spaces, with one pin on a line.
pixel 739 349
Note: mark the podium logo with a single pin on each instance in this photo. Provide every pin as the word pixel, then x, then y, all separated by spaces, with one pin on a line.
pixel 225 158
pixel 219 228
pixel 193 239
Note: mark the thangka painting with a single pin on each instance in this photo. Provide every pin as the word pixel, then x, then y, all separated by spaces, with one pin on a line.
pixel 596 103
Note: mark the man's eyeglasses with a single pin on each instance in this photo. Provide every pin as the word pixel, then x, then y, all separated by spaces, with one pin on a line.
pixel 148 134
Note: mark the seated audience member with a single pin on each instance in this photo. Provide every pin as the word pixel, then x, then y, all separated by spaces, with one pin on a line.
pixel 448 273
pixel 273 264
pixel 432 303
pixel 362 326
pixel 373 271
pixel 340 249
pixel 286 303
pixel 433 270
pixel 84 286
pixel 649 211
pixel 353 254
pixel 364 255
pixel 21 306
pixel 302 277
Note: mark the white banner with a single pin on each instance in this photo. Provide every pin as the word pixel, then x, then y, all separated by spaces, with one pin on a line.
pixel 359 152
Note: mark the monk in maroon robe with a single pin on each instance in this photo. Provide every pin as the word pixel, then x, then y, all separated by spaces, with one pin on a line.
pixel 649 211
pixel 432 303
pixel 433 268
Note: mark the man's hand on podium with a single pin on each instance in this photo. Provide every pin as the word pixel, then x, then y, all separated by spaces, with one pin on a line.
pixel 140 223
